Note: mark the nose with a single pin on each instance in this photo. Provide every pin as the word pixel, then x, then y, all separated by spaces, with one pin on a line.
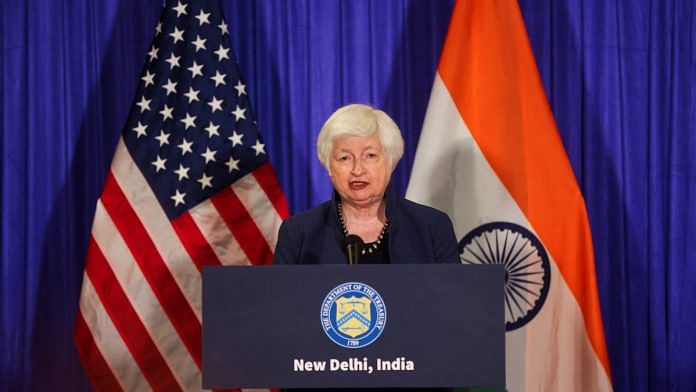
pixel 358 168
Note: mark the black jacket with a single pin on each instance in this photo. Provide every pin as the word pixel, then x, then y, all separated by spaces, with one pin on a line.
pixel 417 234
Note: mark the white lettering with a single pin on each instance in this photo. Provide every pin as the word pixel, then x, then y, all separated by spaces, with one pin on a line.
pixel 300 365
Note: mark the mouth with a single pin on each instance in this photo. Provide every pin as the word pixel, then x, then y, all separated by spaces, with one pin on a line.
pixel 358 185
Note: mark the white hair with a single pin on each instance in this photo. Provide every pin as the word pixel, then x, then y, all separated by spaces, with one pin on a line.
pixel 363 121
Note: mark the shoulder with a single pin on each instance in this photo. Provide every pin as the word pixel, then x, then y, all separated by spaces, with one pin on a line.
pixel 310 217
pixel 421 212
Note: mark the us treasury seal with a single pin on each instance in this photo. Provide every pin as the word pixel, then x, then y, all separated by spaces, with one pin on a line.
pixel 353 315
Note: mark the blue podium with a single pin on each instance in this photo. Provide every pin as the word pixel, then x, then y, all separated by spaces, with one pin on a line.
pixel 340 326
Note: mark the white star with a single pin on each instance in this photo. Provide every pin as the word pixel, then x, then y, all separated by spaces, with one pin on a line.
pixel 236 138
pixel 170 86
pixel 232 164
pixel 208 155
pixel 192 94
pixel 159 164
pixel 140 130
pixel 163 138
pixel 166 113
pixel 177 34
pixel 178 198
pixel 212 129
pixel 199 43
pixel 173 61
pixel 158 29
pixel 223 27
pixel 241 88
pixel 144 104
pixel 153 53
pixel 148 78
pixel 185 147
pixel 182 172
pixel 219 78
pixel 203 18
pixel 222 53
pixel 190 121
pixel 180 9
pixel 205 181
pixel 259 147
pixel 216 104
pixel 239 113
pixel 195 69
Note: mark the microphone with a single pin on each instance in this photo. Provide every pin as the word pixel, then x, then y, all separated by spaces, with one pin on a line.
pixel 353 244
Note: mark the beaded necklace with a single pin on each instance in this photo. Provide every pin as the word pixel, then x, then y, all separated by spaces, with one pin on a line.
pixel 370 247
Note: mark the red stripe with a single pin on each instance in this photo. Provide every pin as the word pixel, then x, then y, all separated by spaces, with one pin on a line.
pixel 193 240
pixel 154 269
pixel 242 226
pixel 267 179
pixel 127 322
pixel 98 370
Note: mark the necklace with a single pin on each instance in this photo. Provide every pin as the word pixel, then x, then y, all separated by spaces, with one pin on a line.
pixel 370 247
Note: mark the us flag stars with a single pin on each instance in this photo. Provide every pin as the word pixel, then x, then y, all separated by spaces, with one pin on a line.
pixel 193 131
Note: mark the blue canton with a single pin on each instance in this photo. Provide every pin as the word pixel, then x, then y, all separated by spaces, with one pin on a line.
pixel 191 130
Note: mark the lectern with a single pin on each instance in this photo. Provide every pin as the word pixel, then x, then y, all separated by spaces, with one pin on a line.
pixel 340 326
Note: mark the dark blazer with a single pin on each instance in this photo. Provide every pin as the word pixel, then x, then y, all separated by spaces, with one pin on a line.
pixel 417 234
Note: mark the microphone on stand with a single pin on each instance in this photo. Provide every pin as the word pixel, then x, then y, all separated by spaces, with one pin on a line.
pixel 353 245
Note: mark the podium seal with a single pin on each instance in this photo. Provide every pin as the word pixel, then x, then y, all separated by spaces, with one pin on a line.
pixel 353 315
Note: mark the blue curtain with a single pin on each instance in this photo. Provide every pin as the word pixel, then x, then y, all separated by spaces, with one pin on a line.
pixel 619 75
pixel 621 79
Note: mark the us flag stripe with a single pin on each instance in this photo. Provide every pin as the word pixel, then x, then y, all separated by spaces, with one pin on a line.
pixel 193 240
pixel 141 296
pixel 144 203
pixel 127 322
pixel 255 201
pixel 266 177
pixel 218 235
pixel 153 267
pixel 100 369
pixel 242 226
pixel 190 184
pixel 107 342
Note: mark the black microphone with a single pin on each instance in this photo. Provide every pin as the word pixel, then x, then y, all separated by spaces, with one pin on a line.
pixel 353 245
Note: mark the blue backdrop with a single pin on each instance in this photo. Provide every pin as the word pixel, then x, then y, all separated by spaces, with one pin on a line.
pixel 620 76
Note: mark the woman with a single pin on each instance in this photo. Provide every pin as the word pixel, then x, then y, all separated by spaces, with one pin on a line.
pixel 360 146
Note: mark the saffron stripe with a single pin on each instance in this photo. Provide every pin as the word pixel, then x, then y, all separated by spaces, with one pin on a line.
pixel 127 322
pixel 99 372
pixel 153 267
pixel 194 242
pixel 267 179
pixel 242 226
pixel 493 38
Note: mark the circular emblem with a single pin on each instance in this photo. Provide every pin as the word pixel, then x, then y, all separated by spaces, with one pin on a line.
pixel 353 315
pixel 527 268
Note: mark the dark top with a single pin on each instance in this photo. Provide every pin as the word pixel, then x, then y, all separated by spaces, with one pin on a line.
pixel 417 234
pixel 379 255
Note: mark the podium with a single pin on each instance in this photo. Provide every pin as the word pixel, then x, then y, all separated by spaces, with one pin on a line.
pixel 340 326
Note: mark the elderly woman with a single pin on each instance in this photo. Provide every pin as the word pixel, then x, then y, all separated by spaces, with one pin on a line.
pixel 360 146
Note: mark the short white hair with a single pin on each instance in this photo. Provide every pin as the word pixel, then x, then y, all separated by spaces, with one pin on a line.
pixel 362 121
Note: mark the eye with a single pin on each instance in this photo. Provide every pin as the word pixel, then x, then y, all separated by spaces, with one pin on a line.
pixel 371 154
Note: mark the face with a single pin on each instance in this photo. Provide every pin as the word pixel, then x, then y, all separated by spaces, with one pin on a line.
pixel 360 169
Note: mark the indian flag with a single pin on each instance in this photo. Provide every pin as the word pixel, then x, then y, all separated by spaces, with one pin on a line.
pixel 490 156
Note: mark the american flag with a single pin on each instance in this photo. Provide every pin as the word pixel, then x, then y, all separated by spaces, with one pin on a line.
pixel 190 185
